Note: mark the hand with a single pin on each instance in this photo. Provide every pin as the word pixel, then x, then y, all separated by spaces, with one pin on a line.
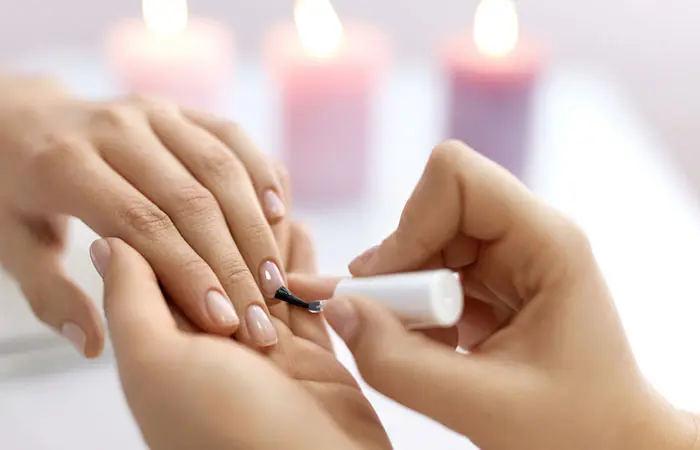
pixel 183 188
pixel 549 365
pixel 190 390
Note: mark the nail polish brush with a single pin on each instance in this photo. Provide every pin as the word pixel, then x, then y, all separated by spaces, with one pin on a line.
pixel 285 295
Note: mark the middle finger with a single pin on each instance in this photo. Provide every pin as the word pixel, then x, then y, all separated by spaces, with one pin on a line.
pixel 143 160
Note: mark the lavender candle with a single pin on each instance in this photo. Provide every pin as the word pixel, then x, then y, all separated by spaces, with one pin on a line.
pixel 490 81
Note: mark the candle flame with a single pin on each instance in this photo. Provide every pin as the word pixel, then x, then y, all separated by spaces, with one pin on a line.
pixel 165 18
pixel 496 27
pixel 319 26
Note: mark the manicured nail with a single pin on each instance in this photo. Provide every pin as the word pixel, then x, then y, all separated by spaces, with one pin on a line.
pixel 75 336
pixel 341 316
pixel 99 254
pixel 270 279
pixel 220 309
pixel 273 205
pixel 364 257
pixel 260 327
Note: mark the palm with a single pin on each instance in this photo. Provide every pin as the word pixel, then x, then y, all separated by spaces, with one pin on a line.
pixel 305 354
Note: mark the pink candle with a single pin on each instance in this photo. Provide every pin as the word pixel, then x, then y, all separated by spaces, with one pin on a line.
pixel 327 74
pixel 189 61
pixel 491 77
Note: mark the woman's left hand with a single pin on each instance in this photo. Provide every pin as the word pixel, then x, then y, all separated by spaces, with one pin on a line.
pixel 191 390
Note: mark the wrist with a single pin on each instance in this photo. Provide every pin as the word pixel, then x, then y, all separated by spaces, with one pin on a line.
pixel 655 424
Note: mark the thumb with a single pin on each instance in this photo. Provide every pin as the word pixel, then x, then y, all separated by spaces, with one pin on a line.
pixel 138 316
pixel 462 392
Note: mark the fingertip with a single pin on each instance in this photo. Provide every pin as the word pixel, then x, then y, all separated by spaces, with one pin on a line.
pixel 273 206
pixel 99 255
pixel 341 314
pixel 94 345
pixel 362 264
pixel 312 287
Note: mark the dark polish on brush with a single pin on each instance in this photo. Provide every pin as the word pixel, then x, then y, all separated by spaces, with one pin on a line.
pixel 286 296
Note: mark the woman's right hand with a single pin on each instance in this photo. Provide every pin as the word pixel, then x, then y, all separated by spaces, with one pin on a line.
pixel 549 364
pixel 183 188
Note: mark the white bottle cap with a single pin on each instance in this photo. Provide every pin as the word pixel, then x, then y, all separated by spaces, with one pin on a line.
pixel 432 299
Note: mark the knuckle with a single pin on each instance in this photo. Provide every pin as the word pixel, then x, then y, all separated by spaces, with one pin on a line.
pixel 59 154
pixel 142 99
pixel 114 116
pixel 144 217
pixel 221 163
pixel 257 232
pixel 444 157
pixel 234 271
pixel 571 236
pixel 153 105
pixel 229 130
pixel 447 152
pixel 194 201
pixel 196 266
pixel 40 306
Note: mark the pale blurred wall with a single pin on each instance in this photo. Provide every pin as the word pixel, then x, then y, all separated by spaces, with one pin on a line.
pixel 652 46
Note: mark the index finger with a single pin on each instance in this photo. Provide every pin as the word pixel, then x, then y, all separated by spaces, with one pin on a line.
pixel 460 191
pixel 137 314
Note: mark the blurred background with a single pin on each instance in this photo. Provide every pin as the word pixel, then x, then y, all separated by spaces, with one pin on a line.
pixel 650 48
pixel 604 116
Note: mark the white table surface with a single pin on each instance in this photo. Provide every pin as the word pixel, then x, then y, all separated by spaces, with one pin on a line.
pixel 592 159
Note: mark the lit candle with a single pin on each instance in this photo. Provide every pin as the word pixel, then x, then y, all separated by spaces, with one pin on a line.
pixel 327 73
pixel 169 55
pixel 491 77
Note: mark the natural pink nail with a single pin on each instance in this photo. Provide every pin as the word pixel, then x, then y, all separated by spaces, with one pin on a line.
pixel 75 335
pixel 260 327
pixel 273 205
pixel 99 254
pixel 270 279
pixel 220 309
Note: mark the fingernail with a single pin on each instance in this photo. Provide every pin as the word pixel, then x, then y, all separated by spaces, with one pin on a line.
pixel 270 279
pixel 99 254
pixel 75 336
pixel 273 205
pixel 364 257
pixel 342 317
pixel 260 327
pixel 220 309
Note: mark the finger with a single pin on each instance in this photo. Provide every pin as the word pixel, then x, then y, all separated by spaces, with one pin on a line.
pixel 302 255
pixel 152 169
pixel 313 287
pixel 223 174
pixel 462 392
pixel 137 314
pixel 303 260
pixel 263 173
pixel 32 253
pixel 72 179
pixel 282 229
pixel 460 191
